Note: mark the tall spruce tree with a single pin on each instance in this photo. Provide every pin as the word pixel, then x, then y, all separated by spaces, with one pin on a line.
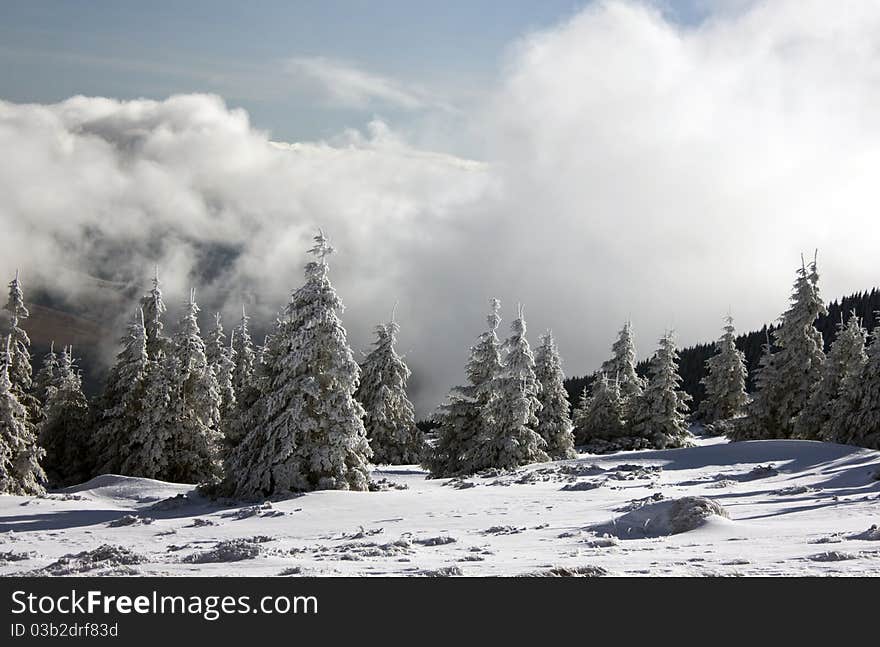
pixel 154 309
pixel 147 453
pixel 855 418
pixel 846 357
pixel 47 375
pixel 194 445
pixel 509 438
pixel 600 414
pixel 796 364
pixel 306 429
pixel 65 433
pixel 244 383
pixel 660 413
pixel 554 420
pixel 462 418
pixel 221 359
pixel 725 380
pixel 123 404
pixel 20 369
pixel 20 455
pixel 622 365
pixel 390 419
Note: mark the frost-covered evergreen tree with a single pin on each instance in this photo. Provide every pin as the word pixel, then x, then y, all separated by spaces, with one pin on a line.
pixel 244 383
pixel 194 446
pixel 509 438
pixel 20 471
pixel 796 365
pixel 47 375
pixel 554 420
pixel 221 359
pixel 390 421
pixel 600 414
pixel 244 356
pixel 463 417
pixel 846 357
pixel 20 369
pixel 622 365
pixel 306 430
pixel 725 379
pixel 65 432
pixel 659 414
pixel 147 453
pixel 855 418
pixel 123 403
pixel 154 309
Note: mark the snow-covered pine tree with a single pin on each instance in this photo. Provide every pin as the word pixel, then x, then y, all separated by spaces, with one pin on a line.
pixel 154 309
pixel 20 369
pixel 148 450
pixel 390 420
pixel 554 420
pixel 796 364
pixel 65 433
pixel 47 375
pixel 244 383
pixel 659 414
pixel 846 357
pixel 509 438
pixel 306 431
pixel 725 379
pixel 462 417
pixel 600 414
pixel 622 365
pixel 122 404
pixel 221 359
pixel 20 471
pixel 855 418
pixel 194 445
pixel 244 356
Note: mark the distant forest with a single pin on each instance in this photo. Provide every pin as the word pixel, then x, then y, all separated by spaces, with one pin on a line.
pixel 692 364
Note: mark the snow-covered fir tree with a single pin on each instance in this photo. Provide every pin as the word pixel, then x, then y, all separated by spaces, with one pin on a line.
pixel 244 355
pixel 461 418
pixel 47 375
pixel 306 430
pixel 855 417
pixel 147 453
pixel 509 438
pixel 20 369
pixel 599 416
pixel 65 432
pixel 194 407
pixel 244 383
pixel 389 417
pixel 725 379
pixel 796 364
pixel 622 365
pixel 20 471
pixel 554 420
pixel 221 359
pixel 154 309
pixel 846 357
pixel 123 404
pixel 660 412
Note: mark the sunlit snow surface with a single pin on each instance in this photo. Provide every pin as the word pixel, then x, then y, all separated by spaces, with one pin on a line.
pixel 792 508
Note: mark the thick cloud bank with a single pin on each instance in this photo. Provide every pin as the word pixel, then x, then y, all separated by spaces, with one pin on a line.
pixel 632 168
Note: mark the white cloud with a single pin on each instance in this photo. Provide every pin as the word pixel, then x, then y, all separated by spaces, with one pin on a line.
pixel 634 168
pixel 345 84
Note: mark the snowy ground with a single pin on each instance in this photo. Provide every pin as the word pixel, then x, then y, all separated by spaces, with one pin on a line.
pixel 794 508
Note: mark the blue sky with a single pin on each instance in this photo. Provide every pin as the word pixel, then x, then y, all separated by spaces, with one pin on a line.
pixel 122 49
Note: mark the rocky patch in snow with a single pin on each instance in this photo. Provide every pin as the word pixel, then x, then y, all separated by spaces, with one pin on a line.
pixel 106 559
pixel 231 550
pixel 130 520
pixel 871 534
pixel 570 571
